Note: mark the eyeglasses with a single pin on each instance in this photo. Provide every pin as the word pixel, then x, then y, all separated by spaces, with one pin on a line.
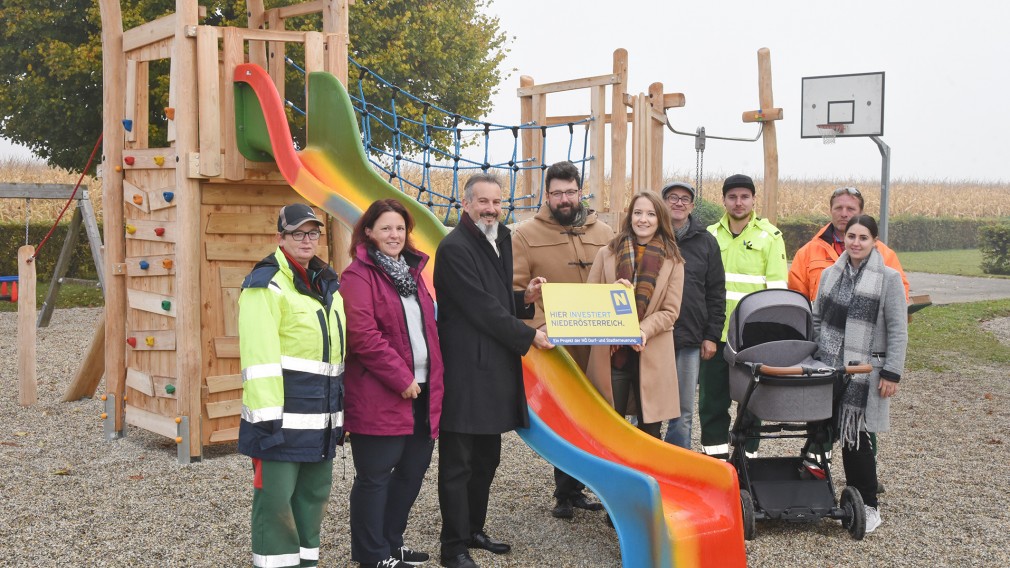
pixel 558 194
pixel 848 190
pixel 673 198
pixel 299 236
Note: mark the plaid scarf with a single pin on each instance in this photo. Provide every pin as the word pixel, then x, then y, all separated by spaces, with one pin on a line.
pixel 848 317
pixel 643 274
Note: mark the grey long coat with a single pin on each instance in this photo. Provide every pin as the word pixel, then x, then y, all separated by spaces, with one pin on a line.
pixel 890 337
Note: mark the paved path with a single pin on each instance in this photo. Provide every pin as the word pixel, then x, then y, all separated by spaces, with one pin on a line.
pixel 947 289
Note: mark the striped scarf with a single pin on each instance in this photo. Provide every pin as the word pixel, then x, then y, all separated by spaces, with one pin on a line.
pixel 644 273
pixel 848 317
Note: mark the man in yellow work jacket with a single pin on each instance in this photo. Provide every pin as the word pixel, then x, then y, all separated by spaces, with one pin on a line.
pixel 754 258
pixel 292 345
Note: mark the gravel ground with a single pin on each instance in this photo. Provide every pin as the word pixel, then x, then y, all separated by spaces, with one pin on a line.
pixel 72 499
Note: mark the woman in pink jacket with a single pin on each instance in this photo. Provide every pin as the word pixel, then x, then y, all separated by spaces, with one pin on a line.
pixel 393 382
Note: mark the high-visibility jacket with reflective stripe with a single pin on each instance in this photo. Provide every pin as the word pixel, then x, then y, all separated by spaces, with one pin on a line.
pixel 754 260
pixel 291 341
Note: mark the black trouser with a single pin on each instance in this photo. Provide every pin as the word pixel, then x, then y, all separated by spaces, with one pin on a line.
pixel 861 468
pixel 625 383
pixel 466 468
pixel 566 486
pixel 388 475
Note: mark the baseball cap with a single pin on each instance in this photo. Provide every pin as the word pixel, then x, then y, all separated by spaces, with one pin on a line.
pixel 293 216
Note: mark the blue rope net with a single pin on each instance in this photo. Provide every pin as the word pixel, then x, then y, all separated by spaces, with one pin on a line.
pixel 408 152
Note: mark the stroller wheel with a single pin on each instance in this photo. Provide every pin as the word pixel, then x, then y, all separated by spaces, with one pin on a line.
pixel 854 515
pixel 747 505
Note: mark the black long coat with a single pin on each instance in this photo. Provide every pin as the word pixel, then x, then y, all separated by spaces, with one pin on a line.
pixel 482 340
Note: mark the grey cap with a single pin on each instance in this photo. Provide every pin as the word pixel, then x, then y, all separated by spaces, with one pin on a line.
pixel 293 216
pixel 679 184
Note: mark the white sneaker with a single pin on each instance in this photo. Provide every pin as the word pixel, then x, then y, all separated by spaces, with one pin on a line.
pixel 873 519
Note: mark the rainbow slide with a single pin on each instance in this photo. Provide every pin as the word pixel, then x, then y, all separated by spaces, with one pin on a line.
pixel 671 507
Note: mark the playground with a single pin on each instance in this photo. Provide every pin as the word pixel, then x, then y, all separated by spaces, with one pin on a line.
pixel 73 500
pixel 185 221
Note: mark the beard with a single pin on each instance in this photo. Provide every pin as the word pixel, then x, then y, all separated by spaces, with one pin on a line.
pixel 567 216
pixel 489 226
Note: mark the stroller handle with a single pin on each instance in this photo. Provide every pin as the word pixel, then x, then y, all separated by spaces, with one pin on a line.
pixel 807 371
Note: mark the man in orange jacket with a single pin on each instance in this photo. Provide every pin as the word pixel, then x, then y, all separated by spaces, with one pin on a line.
pixel 823 250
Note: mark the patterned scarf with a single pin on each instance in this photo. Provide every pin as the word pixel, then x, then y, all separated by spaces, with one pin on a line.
pixel 848 317
pixel 397 270
pixel 643 274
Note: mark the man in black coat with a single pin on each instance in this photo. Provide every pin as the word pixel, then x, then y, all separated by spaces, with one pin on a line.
pixel 703 308
pixel 482 342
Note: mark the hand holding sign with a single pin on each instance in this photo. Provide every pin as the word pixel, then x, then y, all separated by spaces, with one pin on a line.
pixel 533 290
pixel 591 314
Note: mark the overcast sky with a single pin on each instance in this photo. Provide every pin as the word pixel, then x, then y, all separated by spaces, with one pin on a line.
pixel 947 114
pixel 946 64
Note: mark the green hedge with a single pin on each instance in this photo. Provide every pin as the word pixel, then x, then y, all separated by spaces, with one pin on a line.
pixel 12 237
pixel 994 242
pixel 908 234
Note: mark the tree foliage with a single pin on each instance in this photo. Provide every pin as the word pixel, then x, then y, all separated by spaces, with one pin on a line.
pixel 447 52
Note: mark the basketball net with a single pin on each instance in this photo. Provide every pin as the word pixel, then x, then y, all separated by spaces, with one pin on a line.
pixel 828 132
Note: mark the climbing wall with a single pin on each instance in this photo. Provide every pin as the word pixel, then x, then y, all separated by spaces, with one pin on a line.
pixel 149 198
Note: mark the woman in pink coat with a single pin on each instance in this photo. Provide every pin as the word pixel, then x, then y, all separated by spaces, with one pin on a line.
pixel 392 383
pixel 642 379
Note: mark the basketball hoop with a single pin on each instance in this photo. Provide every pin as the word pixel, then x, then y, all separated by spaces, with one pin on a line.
pixel 828 132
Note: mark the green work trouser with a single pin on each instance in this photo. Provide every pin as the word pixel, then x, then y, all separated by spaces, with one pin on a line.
pixel 289 500
pixel 713 405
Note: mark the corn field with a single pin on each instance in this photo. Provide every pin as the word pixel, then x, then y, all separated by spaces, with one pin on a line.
pixel 796 197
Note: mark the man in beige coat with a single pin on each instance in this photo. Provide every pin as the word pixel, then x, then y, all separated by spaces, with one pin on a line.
pixel 559 244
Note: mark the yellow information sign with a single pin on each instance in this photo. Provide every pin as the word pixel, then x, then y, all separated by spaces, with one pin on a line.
pixel 591 314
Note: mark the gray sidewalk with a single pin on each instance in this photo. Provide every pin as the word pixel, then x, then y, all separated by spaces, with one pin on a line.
pixel 947 289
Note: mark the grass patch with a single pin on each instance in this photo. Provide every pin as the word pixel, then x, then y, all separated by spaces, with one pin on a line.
pixel 71 296
pixel 943 338
pixel 967 262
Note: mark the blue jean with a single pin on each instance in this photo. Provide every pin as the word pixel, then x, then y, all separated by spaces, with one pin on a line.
pixel 678 431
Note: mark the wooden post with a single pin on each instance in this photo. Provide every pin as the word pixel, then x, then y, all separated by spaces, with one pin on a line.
pixel 234 162
pixel 256 20
pixel 188 351
pixel 113 109
pixel 336 14
pixel 277 67
pixel 60 270
pixel 656 130
pixel 771 151
pixel 89 374
pixel 597 143
pixel 209 81
pixel 27 379
pixel 526 117
pixel 618 134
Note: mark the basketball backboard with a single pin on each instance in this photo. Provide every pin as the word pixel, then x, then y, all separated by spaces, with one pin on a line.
pixel 853 105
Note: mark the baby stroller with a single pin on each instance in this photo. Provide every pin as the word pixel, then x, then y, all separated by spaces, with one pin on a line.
pixel 775 379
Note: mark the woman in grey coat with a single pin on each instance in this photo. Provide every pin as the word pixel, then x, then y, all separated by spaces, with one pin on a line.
pixel 860 314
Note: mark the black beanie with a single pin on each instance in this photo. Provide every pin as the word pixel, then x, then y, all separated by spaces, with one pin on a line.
pixel 738 180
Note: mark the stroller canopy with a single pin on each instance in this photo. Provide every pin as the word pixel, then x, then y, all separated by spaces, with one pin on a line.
pixel 769 315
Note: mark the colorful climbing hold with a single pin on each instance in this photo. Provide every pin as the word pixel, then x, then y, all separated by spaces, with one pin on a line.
pixel 144 265
pixel 131 229
pixel 170 113
pixel 166 305
pixel 178 420
pixel 138 198
pixel 129 160
pixel 168 195
pixel 132 341
pixel 167 263
pixel 160 231
pixel 128 124
pixel 118 168
pixel 149 340
pixel 170 388
pixel 104 415
pixel 178 439
pixel 104 397
pixel 159 160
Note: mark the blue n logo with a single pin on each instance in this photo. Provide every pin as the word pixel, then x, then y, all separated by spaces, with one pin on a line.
pixel 622 306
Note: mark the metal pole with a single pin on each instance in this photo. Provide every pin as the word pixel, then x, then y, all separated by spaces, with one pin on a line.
pixel 885 184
